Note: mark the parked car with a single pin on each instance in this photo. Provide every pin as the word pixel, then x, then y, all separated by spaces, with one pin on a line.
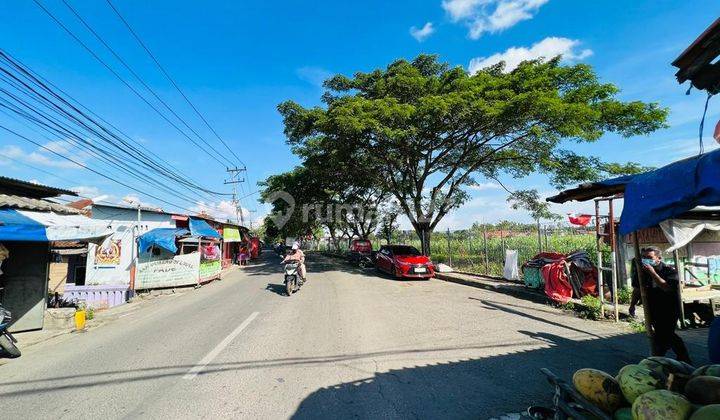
pixel 360 250
pixel 404 261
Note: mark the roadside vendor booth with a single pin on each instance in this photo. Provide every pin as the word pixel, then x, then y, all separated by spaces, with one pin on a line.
pixel 25 253
pixel 172 257
pixel 681 200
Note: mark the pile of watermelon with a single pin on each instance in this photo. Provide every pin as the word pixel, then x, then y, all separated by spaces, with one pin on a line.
pixel 656 388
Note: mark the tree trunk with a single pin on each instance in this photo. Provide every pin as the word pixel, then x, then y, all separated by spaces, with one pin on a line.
pixel 424 232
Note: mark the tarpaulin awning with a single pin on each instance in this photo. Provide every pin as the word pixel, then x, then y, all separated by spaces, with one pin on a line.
pixel 681 232
pixel 231 234
pixel 200 227
pixel 161 237
pixel 671 191
pixel 34 226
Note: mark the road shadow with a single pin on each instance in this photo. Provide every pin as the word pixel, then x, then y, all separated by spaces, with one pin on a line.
pixel 277 289
pixel 487 381
pixel 478 388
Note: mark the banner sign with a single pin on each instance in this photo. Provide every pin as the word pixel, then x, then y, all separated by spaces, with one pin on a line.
pixel 181 270
pixel 108 253
pixel 210 262
pixel 231 234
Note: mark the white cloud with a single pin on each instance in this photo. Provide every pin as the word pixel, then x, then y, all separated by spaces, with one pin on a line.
pixel 316 76
pixel 677 149
pixel 43 157
pixel 421 34
pixel 482 186
pixel 223 210
pixel 490 15
pixel 86 191
pixel 547 48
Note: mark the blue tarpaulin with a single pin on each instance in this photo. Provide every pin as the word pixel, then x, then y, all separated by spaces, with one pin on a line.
pixel 200 227
pixel 670 191
pixel 17 227
pixel 161 237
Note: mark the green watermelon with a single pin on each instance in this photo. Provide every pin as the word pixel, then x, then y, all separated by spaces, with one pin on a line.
pixel 661 404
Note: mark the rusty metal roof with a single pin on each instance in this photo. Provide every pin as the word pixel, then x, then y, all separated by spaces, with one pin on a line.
pixel 12 186
pixel 697 62
pixel 34 204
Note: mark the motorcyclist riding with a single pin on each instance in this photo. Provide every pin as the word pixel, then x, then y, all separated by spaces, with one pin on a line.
pixel 296 254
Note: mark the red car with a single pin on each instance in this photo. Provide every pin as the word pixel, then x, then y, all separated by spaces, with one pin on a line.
pixel 404 261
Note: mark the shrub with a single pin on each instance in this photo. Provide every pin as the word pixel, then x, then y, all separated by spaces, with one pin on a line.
pixel 591 307
pixel 624 295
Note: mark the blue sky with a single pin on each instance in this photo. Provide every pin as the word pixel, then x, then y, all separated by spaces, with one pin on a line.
pixel 238 60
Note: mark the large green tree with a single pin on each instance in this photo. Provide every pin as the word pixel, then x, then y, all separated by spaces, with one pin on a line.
pixel 429 130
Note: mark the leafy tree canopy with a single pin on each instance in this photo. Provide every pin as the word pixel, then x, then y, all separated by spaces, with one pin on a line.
pixel 428 129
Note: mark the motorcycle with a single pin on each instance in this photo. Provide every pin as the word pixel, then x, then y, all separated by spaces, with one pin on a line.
pixel 293 281
pixel 7 341
pixel 365 261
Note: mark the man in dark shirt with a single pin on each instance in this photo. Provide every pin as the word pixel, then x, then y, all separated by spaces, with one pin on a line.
pixel 661 284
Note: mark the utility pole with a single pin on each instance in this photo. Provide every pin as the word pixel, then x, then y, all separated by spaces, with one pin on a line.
pixel 251 222
pixel 234 180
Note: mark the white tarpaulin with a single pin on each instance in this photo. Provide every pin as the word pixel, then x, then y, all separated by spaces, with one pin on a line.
pixel 680 232
pixel 511 272
pixel 69 227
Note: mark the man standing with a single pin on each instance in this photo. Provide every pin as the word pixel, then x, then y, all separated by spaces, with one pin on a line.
pixel 661 283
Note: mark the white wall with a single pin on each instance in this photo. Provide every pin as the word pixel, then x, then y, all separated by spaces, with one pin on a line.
pixel 123 223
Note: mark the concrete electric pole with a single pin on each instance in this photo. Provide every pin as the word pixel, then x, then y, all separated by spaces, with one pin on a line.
pixel 234 180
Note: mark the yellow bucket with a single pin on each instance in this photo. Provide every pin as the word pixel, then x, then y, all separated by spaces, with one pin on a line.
pixel 80 320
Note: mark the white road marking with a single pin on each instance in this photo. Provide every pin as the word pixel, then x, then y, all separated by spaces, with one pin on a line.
pixel 220 347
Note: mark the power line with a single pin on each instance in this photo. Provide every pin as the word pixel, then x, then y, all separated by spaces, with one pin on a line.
pixel 137 77
pixel 82 120
pixel 172 81
pixel 165 164
pixel 36 168
pixel 107 66
pixel 82 165
pixel 55 127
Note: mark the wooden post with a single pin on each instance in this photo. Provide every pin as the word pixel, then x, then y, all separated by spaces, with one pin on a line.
pixel 613 256
pixel 681 284
pixel 598 245
pixel 643 292
pixel 539 236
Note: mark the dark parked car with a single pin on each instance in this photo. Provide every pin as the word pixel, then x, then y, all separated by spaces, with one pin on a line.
pixel 404 261
pixel 360 250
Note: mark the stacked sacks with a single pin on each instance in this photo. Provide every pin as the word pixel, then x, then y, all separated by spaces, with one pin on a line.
pixel 655 388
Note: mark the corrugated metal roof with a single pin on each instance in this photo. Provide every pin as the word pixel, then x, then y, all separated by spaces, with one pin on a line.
pixel 34 204
pixel 19 187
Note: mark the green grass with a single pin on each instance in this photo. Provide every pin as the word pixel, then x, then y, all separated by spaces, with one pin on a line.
pixel 466 250
pixel 468 254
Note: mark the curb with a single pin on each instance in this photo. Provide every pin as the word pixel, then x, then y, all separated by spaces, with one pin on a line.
pixel 508 289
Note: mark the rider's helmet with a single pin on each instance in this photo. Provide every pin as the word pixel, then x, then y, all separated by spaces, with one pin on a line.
pixel 295 246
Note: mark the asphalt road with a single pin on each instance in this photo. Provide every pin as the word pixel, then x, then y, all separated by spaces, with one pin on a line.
pixel 350 344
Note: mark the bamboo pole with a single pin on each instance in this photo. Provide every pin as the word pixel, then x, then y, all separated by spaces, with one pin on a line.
pixel 598 245
pixel 681 284
pixel 613 256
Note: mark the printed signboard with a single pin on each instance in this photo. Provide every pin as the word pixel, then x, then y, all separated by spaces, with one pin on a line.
pixel 180 270
pixel 210 262
pixel 108 253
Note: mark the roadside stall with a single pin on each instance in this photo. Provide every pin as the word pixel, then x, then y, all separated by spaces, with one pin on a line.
pixel 682 199
pixel 26 237
pixel 173 257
